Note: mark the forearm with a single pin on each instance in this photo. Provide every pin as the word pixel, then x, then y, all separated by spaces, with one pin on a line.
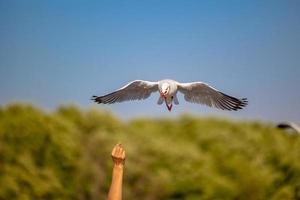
pixel 115 191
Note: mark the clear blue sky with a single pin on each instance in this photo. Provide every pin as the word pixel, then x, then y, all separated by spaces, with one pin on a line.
pixel 59 52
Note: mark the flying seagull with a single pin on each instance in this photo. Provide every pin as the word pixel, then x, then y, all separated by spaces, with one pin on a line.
pixel 289 125
pixel 194 92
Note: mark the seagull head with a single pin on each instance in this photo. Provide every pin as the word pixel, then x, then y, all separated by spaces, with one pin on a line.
pixel 165 88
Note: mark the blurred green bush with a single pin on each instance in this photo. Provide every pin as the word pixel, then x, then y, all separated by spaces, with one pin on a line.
pixel 66 155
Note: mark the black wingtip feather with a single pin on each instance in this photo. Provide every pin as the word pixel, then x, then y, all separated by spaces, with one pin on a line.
pixel 283 125
pixel 234 103
pixel 96 99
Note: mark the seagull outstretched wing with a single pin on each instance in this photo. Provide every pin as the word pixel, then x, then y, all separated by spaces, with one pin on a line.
pixel 135 90
pixel 201 93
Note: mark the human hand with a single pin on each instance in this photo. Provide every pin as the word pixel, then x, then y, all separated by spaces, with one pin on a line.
pixel 118 155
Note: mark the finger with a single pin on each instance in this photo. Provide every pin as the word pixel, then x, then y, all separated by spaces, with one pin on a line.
pixel 113 153
pixel 121 150
pixel 123 155
pixel 118 150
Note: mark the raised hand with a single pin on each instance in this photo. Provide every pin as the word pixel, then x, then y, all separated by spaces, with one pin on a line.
pixel 118 155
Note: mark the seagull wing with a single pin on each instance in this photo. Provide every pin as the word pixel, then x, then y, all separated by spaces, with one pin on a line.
pixel 201 93
pixel 289 125
pixel 135 90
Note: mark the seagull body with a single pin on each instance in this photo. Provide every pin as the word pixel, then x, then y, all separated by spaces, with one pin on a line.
pixel 194 92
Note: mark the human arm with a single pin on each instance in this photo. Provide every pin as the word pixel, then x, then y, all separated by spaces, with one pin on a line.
pixel 118 157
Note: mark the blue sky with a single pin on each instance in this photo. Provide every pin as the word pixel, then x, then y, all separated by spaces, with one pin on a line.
pixel 60 52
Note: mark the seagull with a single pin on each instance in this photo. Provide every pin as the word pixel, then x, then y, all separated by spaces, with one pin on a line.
pixel 194 92
pixel 289 125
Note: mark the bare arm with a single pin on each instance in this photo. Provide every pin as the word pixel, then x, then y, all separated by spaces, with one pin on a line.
pixel 118 157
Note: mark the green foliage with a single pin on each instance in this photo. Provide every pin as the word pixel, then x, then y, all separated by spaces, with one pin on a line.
pixel 66 155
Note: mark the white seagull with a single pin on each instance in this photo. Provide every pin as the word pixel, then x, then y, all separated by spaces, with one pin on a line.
pixel 195 92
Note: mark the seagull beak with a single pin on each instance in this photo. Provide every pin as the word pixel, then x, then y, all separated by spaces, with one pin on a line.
pixel 162 94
